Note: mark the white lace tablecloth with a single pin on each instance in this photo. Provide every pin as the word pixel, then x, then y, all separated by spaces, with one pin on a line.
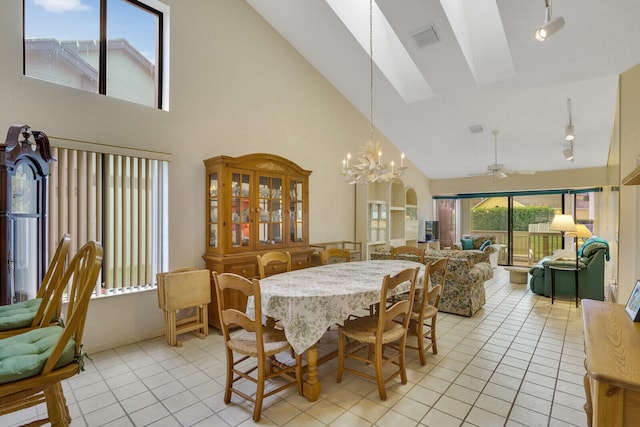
pixel 306 302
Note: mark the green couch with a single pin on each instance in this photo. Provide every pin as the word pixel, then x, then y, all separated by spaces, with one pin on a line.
pixel 590 277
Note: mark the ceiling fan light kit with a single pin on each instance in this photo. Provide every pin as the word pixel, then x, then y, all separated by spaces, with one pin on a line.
pixel 498 170
pixel 550 26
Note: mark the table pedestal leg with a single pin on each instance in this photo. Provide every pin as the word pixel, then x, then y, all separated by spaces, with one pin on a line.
pixel 311 387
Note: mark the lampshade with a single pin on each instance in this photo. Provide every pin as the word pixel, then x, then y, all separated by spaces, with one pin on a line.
pixel 582 232
pixel 563 222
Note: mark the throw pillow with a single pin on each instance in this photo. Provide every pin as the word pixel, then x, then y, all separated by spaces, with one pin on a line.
pixel 467 244
pixel 485 244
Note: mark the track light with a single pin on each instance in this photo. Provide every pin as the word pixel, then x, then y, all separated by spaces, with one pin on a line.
pixel 550 26
pixel 569 131
pixel 568 152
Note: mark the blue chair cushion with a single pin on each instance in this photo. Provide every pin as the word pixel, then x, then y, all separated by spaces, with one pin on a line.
pixel 19 315
pixel 485 244
pixel 23 356
pixel 467 244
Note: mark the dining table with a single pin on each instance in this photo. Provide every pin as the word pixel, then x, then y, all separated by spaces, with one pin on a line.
pixel 307 302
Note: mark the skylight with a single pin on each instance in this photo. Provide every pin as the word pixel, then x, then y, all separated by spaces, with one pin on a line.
pixel 388 52
pixel 478 28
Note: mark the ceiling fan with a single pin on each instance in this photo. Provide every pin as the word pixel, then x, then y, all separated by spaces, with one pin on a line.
pixel 497 170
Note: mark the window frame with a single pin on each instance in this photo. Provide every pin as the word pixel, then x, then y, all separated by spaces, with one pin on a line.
pixel 155 7
pixel 83 188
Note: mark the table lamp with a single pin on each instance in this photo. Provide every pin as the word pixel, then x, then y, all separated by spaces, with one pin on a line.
pixel 564 224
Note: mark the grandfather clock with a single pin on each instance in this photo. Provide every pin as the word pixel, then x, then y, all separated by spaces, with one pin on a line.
pixel 24 167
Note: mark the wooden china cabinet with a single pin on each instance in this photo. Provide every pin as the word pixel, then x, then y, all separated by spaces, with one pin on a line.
pixel 254 204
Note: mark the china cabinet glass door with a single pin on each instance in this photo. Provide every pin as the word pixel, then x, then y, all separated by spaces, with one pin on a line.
pixel 240 210
pixel 270 206
pixel 296 211
pixel 213 209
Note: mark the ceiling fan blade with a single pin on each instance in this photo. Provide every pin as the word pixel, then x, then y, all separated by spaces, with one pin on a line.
pixel 480 174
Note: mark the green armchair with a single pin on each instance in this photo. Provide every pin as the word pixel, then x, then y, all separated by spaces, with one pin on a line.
pixel 590 277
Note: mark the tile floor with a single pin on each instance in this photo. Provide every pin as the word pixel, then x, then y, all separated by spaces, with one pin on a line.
pixel 517 362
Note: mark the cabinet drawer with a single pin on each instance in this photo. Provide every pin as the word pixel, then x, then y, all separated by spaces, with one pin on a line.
pixel 299 263
pixel 245 270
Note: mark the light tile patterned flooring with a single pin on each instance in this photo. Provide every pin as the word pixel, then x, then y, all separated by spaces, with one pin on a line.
pixel 517 362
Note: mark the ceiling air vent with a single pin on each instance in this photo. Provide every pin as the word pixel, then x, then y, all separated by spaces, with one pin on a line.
pixel 476 128
pixel 425 36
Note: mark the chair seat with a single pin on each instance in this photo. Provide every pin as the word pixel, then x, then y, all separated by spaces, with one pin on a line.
pixel 429 311
pixel 23 356
pixel 364 328
pixel 245 342
pixel 19 315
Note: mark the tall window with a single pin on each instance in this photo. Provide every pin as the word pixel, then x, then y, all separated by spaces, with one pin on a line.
pixel 110 47
pixel 117 200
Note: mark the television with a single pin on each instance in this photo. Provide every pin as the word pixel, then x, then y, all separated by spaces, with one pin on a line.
pixel 431 231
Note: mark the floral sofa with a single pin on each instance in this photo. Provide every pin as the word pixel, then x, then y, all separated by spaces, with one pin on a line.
pixel 463 291
pixel 492 251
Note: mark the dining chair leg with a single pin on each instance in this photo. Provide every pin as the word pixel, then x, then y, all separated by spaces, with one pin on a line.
pixel 434 344
pixel 257 409
pixel 340 356
pixel 379 376
pixel 62 401
pixel 229 382
pixel 401 361
pixel 54 410
pixel 420 338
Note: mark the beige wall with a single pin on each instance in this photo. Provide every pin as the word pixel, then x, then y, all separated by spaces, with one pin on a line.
pixel 629 244
pixel 236 87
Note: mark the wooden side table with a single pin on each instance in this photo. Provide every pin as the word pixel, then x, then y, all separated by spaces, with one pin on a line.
pixel 612 380
pixel 553 270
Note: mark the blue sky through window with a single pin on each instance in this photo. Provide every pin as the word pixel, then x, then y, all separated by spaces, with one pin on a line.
pixel 79 20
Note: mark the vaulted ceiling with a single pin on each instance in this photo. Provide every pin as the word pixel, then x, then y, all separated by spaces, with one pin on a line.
pixel 486 69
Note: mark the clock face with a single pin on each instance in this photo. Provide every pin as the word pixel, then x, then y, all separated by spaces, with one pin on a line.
pixel 24 190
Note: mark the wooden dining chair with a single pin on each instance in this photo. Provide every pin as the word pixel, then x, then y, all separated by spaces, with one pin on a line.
pixel 270 263
pixel 33 364
pixel 424 312
pixel 334 255
pixel 253 340
pixel 412 251
pixel 182 289
pixel 376 332
pixel 25 315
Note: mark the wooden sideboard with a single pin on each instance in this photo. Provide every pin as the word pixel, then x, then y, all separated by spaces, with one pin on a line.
pixel 612 349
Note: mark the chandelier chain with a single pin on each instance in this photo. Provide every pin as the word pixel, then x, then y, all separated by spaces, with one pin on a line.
pixel 368 166
pixel 370 70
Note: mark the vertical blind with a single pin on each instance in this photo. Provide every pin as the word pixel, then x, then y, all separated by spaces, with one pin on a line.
pixel 117 200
